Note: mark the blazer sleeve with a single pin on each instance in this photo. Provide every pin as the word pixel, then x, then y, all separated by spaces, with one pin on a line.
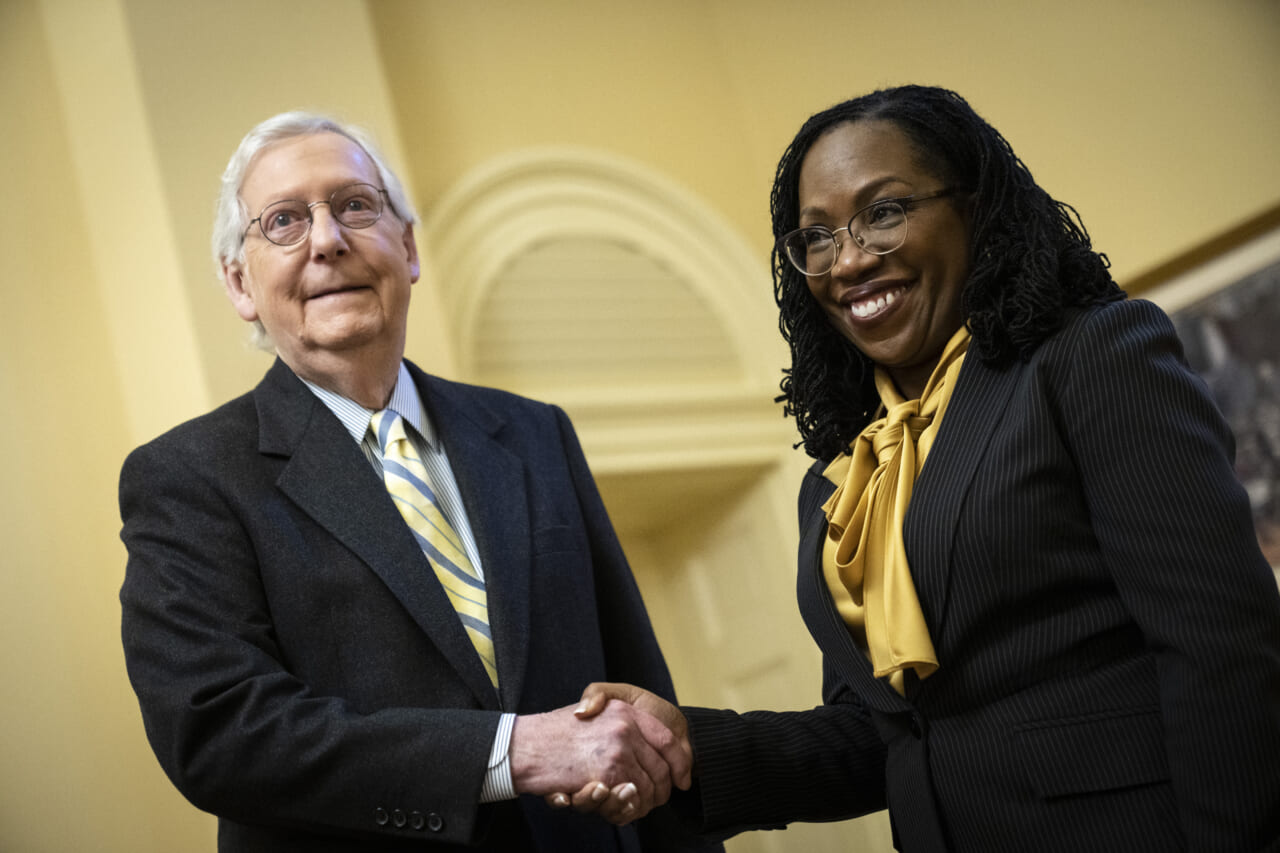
pixel 765 769
pixel 238 732
pixel 1155 458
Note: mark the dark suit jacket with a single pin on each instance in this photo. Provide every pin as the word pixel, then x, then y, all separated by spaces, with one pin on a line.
pixel 301 673
pixel 1107 629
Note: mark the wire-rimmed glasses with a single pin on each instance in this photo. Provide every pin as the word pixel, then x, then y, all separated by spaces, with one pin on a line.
pixel 879 228
pixel 288 222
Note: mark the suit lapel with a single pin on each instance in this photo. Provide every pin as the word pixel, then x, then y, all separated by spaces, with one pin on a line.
pixel 328 477
pixel 492 481
pixel 819 609
pixel 978 404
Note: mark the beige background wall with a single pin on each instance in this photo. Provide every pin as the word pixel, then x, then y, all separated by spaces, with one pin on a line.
pixel 1158 121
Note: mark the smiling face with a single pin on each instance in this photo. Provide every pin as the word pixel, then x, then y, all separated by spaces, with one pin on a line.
pixel 340 298
pixel 898 309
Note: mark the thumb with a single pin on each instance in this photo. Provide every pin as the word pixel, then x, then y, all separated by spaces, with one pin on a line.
pixel 598 694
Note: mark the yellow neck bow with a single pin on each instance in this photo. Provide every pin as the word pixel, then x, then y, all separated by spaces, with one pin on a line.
pixel 865 559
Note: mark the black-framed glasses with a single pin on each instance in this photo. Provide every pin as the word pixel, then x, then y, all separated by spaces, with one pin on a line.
pixel 288 222
pixel 879 228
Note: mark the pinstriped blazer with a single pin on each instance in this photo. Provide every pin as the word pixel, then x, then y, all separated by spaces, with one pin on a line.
pixel 1107 629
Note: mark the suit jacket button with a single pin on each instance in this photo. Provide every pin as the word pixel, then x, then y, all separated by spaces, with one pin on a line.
pixel 435 823
pixel 417 821
pixel 399 819
pixel 380 817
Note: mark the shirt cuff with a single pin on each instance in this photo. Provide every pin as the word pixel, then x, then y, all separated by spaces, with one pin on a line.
pixel 497 780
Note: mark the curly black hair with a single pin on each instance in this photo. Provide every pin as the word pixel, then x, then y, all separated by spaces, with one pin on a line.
pixel 1030 259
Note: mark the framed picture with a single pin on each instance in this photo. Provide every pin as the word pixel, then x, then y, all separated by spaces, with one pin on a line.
pixel 1224 299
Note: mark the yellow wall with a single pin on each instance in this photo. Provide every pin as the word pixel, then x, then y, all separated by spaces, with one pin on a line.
pixel 1157 121
pixel 75 764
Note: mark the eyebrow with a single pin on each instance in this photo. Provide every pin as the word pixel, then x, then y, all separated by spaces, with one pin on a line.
pixel 870 189
pixel 297 194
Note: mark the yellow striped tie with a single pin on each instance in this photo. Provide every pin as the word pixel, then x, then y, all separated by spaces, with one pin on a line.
pixel 407 480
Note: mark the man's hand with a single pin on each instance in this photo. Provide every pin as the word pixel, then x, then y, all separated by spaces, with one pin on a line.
pixel 614 803
pixel 617 750
pixel 597 695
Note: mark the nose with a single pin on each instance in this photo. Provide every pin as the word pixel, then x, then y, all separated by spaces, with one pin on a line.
pixel 328 239
pixel 851 259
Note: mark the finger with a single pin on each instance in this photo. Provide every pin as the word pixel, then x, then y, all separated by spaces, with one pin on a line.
pixel 621 808
pixel 598 693
pixel 558 801
pixel 587 799
pixel 674 748
pixel 620 812
pixel 653 779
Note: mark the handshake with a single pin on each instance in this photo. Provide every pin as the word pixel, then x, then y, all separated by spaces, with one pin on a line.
pixel 617 753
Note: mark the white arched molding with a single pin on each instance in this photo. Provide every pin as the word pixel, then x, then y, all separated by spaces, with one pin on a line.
pixel 511 206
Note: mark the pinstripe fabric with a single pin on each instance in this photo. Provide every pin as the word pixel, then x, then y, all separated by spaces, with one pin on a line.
pixel 1107 631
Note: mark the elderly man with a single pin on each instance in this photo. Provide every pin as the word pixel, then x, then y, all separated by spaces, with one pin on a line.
pixel 361 600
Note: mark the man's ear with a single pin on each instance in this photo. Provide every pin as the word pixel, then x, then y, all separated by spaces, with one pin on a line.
pixel 233 278
pixel 411 249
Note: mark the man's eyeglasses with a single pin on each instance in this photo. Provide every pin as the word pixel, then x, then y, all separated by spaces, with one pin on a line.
pixel 879 228
pixel 288 222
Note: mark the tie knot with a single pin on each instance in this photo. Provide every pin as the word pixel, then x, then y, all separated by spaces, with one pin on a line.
pixel 388 427
pixel 887 437
pixel 903 411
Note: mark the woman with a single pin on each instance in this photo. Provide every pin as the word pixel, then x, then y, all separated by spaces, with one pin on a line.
pixel 1059 633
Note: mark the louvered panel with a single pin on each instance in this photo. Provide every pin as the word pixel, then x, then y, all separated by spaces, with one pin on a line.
pixel 576 312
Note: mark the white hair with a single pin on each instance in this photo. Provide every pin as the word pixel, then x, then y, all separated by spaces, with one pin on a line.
pixel 231 218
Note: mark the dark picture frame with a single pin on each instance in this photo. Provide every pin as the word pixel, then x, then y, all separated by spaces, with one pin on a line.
pixel 1224 299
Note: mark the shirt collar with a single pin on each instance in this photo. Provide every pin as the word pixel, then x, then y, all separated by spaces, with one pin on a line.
pixel 405 401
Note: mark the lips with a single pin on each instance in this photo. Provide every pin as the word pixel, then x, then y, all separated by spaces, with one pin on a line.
pixel 346 288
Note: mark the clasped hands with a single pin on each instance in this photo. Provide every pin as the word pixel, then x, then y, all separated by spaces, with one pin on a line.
pixel 616 754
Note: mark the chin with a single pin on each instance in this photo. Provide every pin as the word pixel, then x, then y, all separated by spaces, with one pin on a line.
pixel 348 332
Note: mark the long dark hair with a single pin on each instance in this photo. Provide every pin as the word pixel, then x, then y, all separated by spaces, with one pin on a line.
pixel 1030 259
